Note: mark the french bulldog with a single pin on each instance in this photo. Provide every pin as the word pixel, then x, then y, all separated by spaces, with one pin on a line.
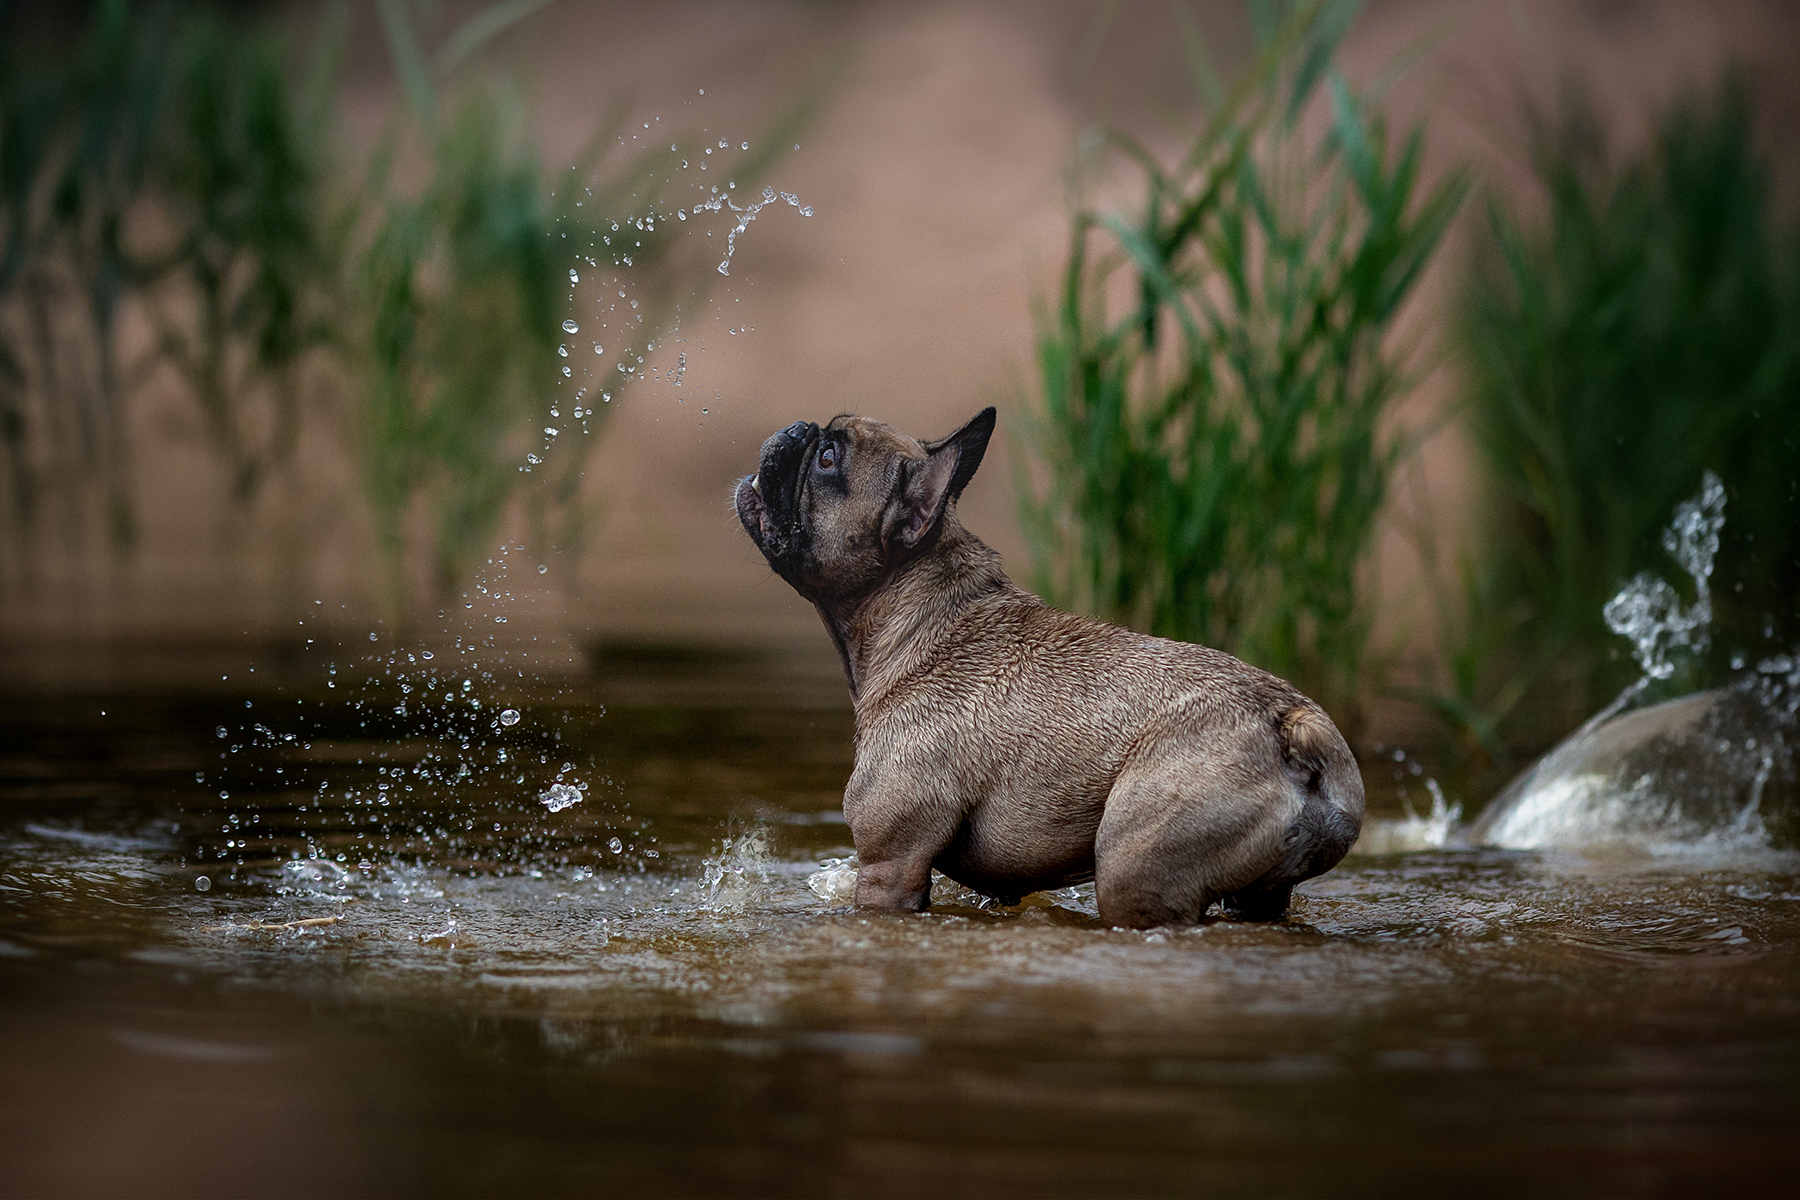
pixel 1017 748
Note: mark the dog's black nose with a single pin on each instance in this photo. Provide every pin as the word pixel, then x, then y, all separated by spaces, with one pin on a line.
pixel 781 457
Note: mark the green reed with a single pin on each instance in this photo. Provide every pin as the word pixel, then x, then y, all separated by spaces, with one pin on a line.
pixel 459 290
pixel 1644 330
pixel 1217 452
pixel 406 307
pixel 451 299
pixel 79 139
pixel 240 293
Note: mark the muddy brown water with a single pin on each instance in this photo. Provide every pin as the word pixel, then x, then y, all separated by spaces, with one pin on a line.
pixel 406 974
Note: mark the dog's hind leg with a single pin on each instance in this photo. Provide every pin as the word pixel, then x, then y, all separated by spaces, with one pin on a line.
pixel 1311 846
pixel 1322 765
pixel 1188 822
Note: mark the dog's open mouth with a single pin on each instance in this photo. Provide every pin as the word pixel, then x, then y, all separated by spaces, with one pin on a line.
pixel 768 502
pixel 753 511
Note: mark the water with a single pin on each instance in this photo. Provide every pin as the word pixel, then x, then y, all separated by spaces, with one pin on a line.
pixel 660 990
pixel 1711 772
pixel 1649 613
pixel 746 214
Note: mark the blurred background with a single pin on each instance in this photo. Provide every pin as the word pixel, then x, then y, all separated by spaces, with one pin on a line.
pixel 1375 343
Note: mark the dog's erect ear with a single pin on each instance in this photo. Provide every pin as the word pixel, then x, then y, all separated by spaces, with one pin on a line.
pixel 947 469
pixel 971 443
pixel 924 495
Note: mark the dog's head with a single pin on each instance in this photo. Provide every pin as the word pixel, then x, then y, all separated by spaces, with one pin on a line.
pixel 834 508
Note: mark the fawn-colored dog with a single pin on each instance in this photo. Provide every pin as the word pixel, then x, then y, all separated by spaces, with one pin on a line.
pixel 1015 747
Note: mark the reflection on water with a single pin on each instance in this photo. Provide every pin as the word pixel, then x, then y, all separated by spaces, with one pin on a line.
pixel 406 972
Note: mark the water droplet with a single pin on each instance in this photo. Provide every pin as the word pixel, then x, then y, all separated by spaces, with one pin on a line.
pixel 533 459
pixel 202 883
pixel 599 349
pixel 424 654
pixel 467 685
pixel 562 351
pixel 559 796
pixel 567 373
pixel 745 146
pixel 681 214
pixel 372 637
pixel 550 429
pixel 573 278
pixel 615 845
pixel 509 716
pixel 542 569
pixel 569 326
pixel 220 731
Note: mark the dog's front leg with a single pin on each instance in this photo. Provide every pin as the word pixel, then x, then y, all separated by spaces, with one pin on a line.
pixel 902 885
pixel 901 824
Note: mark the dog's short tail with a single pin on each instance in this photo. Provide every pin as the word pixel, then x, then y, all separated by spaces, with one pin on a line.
pixel 1321 760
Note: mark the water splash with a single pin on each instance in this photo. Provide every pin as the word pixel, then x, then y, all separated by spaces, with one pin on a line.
pixel 739 877
pixel 746 215
pixel 1712 770
pixel 1649 613
pixel 408 753
pixel 1436 830
pixel 835 881
pixel 559 796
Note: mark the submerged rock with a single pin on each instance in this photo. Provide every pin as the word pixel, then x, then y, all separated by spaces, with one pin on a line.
pixel 1715 767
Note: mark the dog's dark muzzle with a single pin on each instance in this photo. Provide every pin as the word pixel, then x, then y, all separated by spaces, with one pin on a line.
pixel 782 468
pixel 782 455
pixel 779 480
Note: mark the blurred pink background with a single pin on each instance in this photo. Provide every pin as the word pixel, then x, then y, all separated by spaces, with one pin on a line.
pixel 935 167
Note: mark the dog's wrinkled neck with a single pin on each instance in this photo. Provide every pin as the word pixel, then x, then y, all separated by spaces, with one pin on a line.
pixel 883 635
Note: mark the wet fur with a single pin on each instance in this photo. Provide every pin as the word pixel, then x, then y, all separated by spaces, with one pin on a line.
pixel 1015 747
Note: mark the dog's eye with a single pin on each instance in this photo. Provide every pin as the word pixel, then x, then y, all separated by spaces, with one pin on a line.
pixel 827 458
